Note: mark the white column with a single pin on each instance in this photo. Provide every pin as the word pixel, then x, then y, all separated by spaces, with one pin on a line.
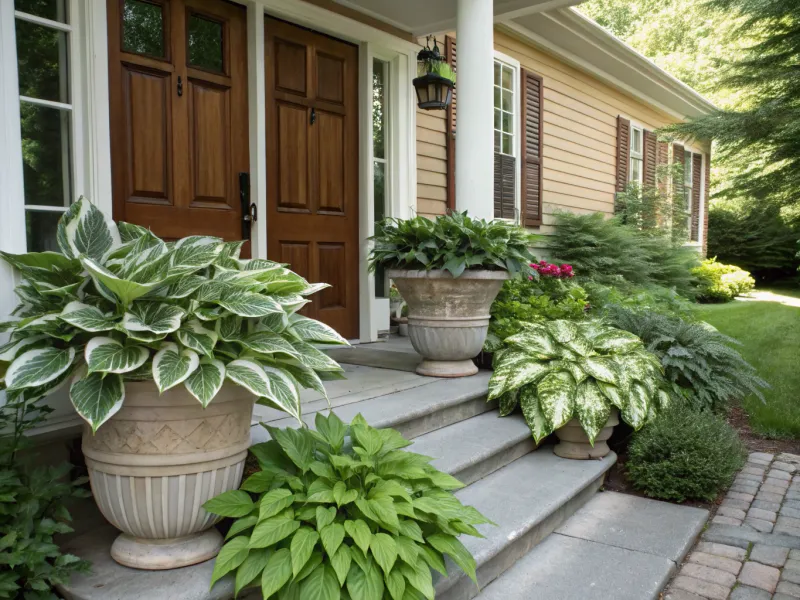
pixel 474 131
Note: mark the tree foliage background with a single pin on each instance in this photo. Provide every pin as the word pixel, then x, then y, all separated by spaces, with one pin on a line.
pixel 742 55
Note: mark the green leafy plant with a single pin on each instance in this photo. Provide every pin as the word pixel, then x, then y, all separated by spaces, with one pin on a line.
pixel 684 455
pixel 454 242
pixel 701 364
pixel 721 283
pixel 119 304
pixel 559 370
pixel 32 508
pixel 659 209
pixel 326 520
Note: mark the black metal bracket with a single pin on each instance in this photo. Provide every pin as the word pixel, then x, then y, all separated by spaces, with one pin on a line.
pixel 180 86
pixel 249 210
pixel 313 116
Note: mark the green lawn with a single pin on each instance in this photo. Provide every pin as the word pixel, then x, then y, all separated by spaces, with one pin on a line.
pixel 770 332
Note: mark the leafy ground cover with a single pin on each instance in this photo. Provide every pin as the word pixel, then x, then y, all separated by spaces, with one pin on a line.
pixel 769 328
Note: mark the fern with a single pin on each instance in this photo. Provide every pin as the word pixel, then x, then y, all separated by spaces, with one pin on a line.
pixel 701 364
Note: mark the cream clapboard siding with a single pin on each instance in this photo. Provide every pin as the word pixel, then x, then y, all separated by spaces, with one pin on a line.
pixel 431 162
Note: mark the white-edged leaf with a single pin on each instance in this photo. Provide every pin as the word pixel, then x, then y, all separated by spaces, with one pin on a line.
pixel 250 375
pixel 205 382
pixel 97 397
pixel 86 317
pixel 266 342
pixel 249 304
pixel 123 290
pixel 38 366
pixel 155 317
pixel 9 351
pixel 313 288
pixel 282 391
pixel 107 355
pixel 84 230
pixel 172 366
pixel 313 358
pixel 196 336
pixel 311 330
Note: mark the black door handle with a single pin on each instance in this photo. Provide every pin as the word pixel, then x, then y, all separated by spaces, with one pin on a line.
pixel 249 210
pixel 313 116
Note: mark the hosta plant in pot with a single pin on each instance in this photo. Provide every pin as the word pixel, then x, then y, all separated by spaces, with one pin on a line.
pixel 343 512
pixel 449 271
pixel 165 347
pixel 576 378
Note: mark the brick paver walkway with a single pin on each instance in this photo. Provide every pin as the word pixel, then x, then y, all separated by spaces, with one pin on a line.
pixel 751 549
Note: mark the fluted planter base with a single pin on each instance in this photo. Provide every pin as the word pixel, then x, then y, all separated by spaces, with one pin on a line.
pixel 574 443
pixel 155 463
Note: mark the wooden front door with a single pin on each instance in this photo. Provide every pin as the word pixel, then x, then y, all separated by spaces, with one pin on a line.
pixel 178 108
pixel 312 166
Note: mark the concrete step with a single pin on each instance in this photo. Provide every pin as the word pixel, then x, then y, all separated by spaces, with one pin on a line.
pixel 617 546
pixel 433 405
pixel 527 499
pixel 474 448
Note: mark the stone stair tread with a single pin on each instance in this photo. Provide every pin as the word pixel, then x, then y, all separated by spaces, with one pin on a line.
pixel 617 546
pixel 527 499
pixel 476 447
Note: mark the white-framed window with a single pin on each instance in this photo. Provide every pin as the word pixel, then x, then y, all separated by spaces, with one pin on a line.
pixel 505 108
pixel 688 179
pixel 506 122
pixel 381 147
pixel 636 170
pixel 47 92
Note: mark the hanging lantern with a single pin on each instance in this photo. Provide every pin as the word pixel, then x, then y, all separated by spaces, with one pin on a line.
pixel 435 84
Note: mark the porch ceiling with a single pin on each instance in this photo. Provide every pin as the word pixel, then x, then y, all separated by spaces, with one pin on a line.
pixel 421 17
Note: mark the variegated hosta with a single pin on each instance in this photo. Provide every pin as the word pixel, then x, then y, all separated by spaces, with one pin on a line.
pixel 119 304
pixel 559 370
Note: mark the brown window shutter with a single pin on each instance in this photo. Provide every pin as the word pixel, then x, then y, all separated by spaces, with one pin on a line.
pixel 677 158
pixel 706 197
pixel 450 128
pixel 623 152
pixel 697 178
pixel 505 172
pixel 532 104
pixel 662 160
pixel 650 158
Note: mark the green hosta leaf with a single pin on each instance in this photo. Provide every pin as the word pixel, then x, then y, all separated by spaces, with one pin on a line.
pixel 84 230
pixel 515 368
pixel 321 584
pixel 332 429
pixel 231 556
pixel 37 367
pixel 154 317
pixel 276 573
pixel 332 536
pixel 532 411
pixel 407 549
pixel 411 529
pixel 562 331
pixel 240 525
pixel 433 559
pixel 122 289
pixel 592 407
pixel 556 393
pixel 396 584
pixel 107 355
pixel 250 569
pixel 11 350
pixel 602 369
pixel 310 330
pixel 172 366
pixel 297 445
pixel 313 562
pixel 341 562
pixel 41 263
pixel 419 576
pixel 97 397
pixel 233 503
pixel 196 336
pixel 86 317
pixel 359 531
pixel 205 382
pixel 448 544
pixel 365 584
pixel 250 375
pixel 249 304
pixel 325 516
pixel 368 438
pixel 301 547
pixel 508 402
pixel 271 531
pixel 384 549
pixel 274 502
pixel 616 341
pixel 637 408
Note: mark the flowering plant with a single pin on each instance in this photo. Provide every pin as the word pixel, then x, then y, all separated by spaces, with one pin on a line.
pixel 546 269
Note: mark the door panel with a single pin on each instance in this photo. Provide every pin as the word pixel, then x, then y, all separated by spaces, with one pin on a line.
pixel 312 166
pixel 179 120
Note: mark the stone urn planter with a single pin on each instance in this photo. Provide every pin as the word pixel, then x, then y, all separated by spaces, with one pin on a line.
pixel 574 443
pixel 448 317
pixel 154 464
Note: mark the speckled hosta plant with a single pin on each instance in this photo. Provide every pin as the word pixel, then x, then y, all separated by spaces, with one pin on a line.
pixel 559 370
pixel 343 513
pixel 119 304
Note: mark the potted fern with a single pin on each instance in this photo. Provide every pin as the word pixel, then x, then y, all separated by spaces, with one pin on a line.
pixel 165 347
pixel 449 271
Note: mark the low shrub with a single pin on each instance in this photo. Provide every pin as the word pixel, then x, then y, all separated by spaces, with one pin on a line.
pixel 322 519
pixel 654 298
pixel 720 282
pixel 701 364
pixel 684 455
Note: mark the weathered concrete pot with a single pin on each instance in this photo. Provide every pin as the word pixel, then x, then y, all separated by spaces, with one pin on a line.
pixel 448 317
pixel 574 443
pixel 154 464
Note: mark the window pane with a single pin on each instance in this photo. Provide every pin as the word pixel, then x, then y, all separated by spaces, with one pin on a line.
pixel 498 119
pixel 45 155
pixel 508 101
pixel 508 122
pixel 379 193
pixel 636 170
pixel 497 73
pixel 497 141
pixel 497 97
pixel 55 10
pixel 636 141
pixel 143 28
pixel 508 144
pixel 687 168
pixel 42 62
pixel 508 78
pixel 205 44
pixel 378 108
pixel 40 228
